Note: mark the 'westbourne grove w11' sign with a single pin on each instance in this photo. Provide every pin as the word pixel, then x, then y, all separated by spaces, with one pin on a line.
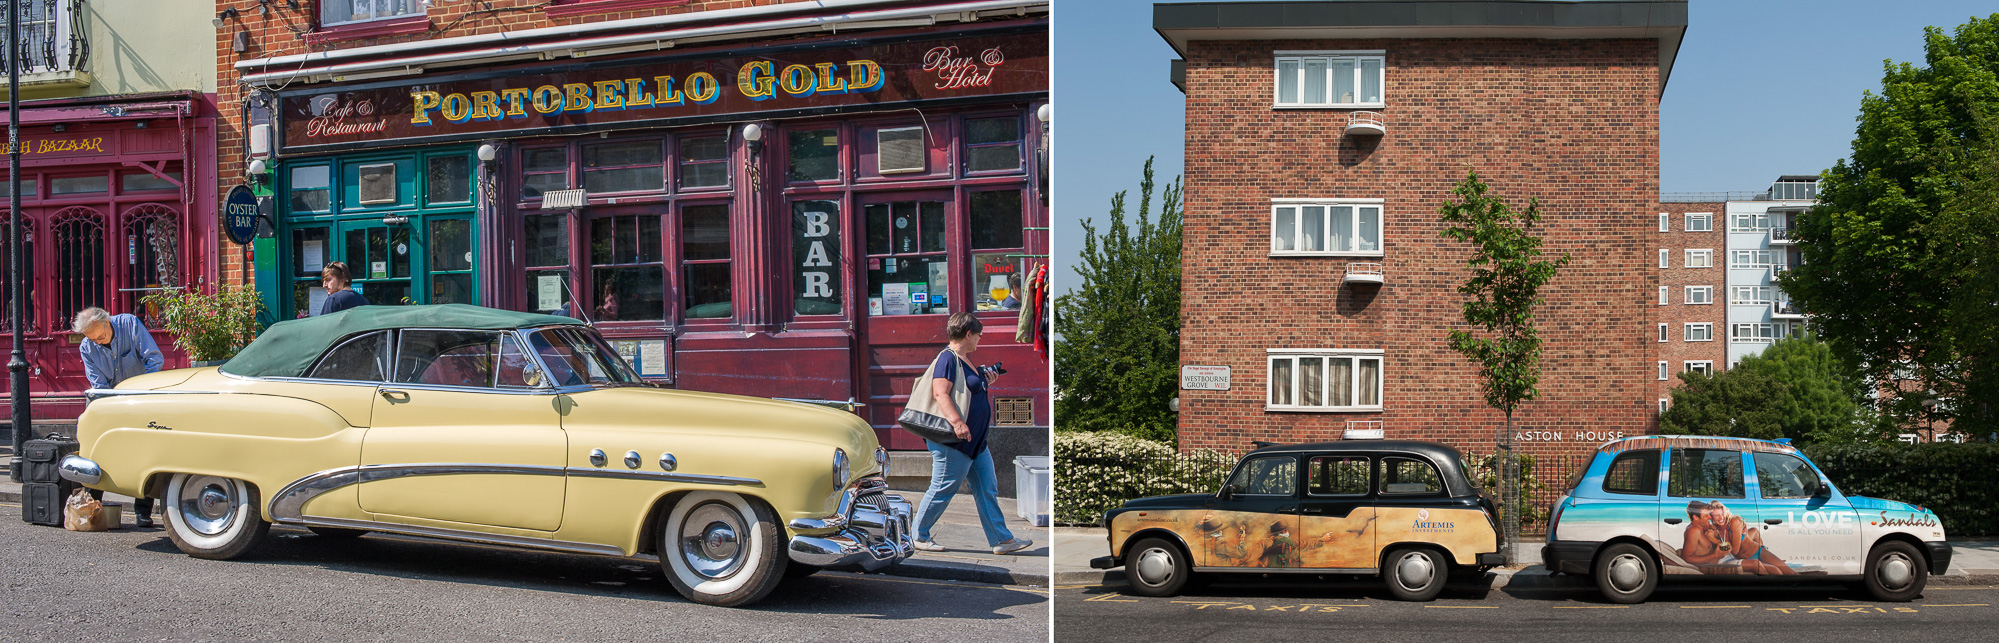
pixel 687 88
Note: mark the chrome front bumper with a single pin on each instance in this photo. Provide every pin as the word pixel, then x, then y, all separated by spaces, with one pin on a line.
pixel 871 530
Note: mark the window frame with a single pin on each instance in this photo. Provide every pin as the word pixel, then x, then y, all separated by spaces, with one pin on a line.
pixel 1687 331
pixel 1358 56
pixel 1706 295
pixel 1705 258
pixel 1353 355
pixel 1703 366
pixel 1663 290
pixel 1245 464
pixel 668 154
pixel 1663 375
pixel 1019 145
pixel 1741 473
pixel 1366 490
pixel 1665 260
pixel 1298 205
pixel 1663 337
pixel 1657 458
pixel 1706 220
pixel 1665 222
pixel 420 10
pixel 1380 477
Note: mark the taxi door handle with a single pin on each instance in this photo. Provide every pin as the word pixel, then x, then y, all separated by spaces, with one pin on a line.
pixel 1773 521
pixel 1288 509
pixel 1672 521
pixel 1315 510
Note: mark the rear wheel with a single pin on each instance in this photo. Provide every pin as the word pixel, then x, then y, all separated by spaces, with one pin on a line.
pixel 1157 568
pixel 1895 572
pixel 1415 574
pixel 1626 573
pixel 213 517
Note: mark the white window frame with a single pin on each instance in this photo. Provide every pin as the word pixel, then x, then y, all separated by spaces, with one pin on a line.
pixel 1664 258
pixel 1274 355
pixel 1663 337
pixel 1752 295
pixel 1662 406
pixel 1662 294
pixel 1759 333
pixel 1705 366
pixel 1749 222
pixel 1705 221
pixel 1756 259
pixel 1359 60
pixel 1706 295
pixel 1665 222
pixel 415 8
pixel 1700 258
pixel 1662 370
pixel 1687 331
pixel 1297 207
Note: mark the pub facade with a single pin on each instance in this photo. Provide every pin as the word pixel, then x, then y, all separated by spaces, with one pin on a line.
pixel 737 206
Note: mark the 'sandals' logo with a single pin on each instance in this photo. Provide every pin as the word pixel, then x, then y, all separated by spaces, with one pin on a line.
pixel 1912 521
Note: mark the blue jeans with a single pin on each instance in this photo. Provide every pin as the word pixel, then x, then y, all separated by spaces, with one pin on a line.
pixel 948 467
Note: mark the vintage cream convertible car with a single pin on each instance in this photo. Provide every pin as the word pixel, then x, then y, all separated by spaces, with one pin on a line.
pixel 490 426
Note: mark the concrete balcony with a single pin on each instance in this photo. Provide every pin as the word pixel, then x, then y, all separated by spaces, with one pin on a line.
pixel 1365 124
pixel 1785 310
pixel 1363 430
pixel 1782 236
pixel 1366 272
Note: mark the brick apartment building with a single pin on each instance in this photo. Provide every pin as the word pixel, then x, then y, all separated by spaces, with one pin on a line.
pixel 1321 138
pixel 1692 302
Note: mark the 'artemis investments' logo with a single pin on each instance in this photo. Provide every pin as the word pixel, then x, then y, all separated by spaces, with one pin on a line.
pixel 1423 523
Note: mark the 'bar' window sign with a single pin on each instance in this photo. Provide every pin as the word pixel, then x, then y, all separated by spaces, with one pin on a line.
pixel 815 254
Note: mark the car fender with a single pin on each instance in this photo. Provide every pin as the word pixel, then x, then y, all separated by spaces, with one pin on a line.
pixel 138 440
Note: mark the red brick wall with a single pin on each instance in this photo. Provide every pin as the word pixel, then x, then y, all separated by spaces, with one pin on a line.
pixel 1574 123
pixel 283 32
pixel 1676 351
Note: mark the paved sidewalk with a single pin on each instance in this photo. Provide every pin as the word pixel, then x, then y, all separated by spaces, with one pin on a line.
pixel 1975 562
pixel 969 559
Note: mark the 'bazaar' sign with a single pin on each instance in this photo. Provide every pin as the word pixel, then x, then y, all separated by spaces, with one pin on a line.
pixel 666 90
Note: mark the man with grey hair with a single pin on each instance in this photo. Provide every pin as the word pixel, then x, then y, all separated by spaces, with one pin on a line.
pixel 120 347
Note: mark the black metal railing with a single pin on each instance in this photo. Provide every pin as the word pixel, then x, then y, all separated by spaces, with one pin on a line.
pixel 52 36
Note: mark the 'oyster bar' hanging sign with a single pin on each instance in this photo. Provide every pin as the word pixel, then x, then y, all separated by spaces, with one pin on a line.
pixel 666 90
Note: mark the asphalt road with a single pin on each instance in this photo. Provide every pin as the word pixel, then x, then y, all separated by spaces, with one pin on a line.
pixel 1295 610
pixel 131 584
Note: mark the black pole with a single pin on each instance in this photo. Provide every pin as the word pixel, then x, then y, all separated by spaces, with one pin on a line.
pixel 17 359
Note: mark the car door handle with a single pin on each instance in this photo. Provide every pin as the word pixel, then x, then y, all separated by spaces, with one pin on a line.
pixel 1315 510
pixel 1289 509
pixel 394 395
pixel 1773 521
pixel 1672 521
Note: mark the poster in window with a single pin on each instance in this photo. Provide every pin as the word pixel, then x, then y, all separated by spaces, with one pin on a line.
pixel 895 299
pixel 629 350
pixel 940 282
pixel 314 256
pixel 315 298
pixel 815 256
pixel 994 281
pixel 652 357
pixel 548 292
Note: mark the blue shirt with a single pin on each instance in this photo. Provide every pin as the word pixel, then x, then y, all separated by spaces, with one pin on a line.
pixel 131 352
pixel 980 416
pixel 342 300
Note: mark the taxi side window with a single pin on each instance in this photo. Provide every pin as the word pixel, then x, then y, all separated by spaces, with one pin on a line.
pixel 1705 473
pixel 1785 476
pixel 1408 476
pixel 1274 476
pixel 361 359
pixel 1634 472
pixel 1337 476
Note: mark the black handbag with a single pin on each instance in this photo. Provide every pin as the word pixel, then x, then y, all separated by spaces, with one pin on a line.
pixel 921 418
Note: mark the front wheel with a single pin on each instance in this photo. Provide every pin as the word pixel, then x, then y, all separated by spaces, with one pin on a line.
pixel 722 549
pixel 1157 568
pixel 213 517
pixel 1415 574
pixel 1895 572
pixel 1626 573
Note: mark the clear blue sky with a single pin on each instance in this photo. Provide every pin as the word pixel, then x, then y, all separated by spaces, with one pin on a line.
pixel 1760 89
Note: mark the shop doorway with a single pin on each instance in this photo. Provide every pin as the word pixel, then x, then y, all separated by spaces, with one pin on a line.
pixel 908 296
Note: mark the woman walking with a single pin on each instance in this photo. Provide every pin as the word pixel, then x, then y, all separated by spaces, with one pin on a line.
pixel 968 460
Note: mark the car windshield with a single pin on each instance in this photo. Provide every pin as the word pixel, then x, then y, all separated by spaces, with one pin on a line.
pixel 577 357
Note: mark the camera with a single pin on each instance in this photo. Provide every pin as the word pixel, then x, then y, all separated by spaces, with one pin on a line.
pixel 995 368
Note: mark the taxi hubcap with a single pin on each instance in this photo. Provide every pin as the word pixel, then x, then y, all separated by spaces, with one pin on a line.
pixel 1895 571
pixel 1627 573
pixel 711 540
pixel 1415 571
pixel 1155 566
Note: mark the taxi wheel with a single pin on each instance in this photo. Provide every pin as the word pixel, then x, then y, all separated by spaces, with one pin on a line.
pixel 1626 573
pixel 1895 572
pixel 722 549
pixel 1415 574
pixel 212 517
pixel 1157 568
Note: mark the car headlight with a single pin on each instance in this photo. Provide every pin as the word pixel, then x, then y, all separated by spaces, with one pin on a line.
pixel 840 468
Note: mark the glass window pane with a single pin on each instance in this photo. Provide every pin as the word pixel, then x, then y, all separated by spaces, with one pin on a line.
pixel 878 227
pixel 622 154
pixel 992 130
pixel 310 252
pixel 1312 219
pixel 1406 476
pixel 513 363
pixel 140 182
pixel 364 358
pixel 1784 476
pixel 932 218
pixel 27 185
pixel 815 155
pixel 1343 81
pixel 704 232
pixel 1287 81
pixel 704 148
pixel 312 177
pixel 603 241
pixel 448 179
pixel 1370 382
pixel 1284 232
pixel 815 257
pixel 703 161
pixel 79 184
pixel 399 252
pixel 548 292
pixel 1311 387
pixel 995 281
pixel 1315 80
pixel 626 248
pixel 649 238
pixel 1270 476
pixel 708 291
pixel 1341 382
pixel 1342 229
pixel 993 157
pixel 635 179
pixel 447 357
pixel 547 239
pixel 1705 473
pixel 1370 80
pixel 1368 237
pixel 1634 472
pixel 1280 381
pixel 1344 475
pixel 996 219
pixel 537 184
pixel 704 175
pixel 629 293
pixel 920 282
pixel 450 244
pixel 451 288
pixel 547 159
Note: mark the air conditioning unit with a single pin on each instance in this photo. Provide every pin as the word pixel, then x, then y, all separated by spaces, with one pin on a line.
pixel 899 150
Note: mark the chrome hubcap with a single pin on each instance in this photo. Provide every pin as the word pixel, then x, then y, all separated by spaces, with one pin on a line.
pixel 1414 571
pixel 1155 566
pixel 1627 573
pixel 1896 571
pixel 208 504
pixel 711 540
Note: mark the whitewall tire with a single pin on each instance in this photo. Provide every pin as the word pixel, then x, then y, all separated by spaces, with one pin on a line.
pixel 721 548
pixel 213 517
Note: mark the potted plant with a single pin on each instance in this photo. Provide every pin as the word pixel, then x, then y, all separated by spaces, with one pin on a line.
pixel 209 327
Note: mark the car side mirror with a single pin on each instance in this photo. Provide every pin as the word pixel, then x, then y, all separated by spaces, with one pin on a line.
pixel 531 376
pixel 1823 492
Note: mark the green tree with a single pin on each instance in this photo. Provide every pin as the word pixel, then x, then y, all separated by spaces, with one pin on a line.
pixel 1901 253
pixel 1505 285
pixel 1738 403
pixel 1822 397
pixel 1117 354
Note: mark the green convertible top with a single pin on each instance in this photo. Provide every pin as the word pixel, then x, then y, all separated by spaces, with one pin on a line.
pixel 288 348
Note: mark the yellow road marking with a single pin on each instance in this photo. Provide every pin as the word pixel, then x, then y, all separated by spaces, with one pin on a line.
pixel 1591 607
pixel 1107 598
pixel 1957 605
pixel 1463 607
pixel 1714 607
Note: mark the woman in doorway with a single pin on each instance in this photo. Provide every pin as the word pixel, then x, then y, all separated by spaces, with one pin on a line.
pixel 339 296
pixel 968 460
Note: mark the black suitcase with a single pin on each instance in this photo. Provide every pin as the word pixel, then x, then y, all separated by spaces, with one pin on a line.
pixel 42 504
pixel 43 457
